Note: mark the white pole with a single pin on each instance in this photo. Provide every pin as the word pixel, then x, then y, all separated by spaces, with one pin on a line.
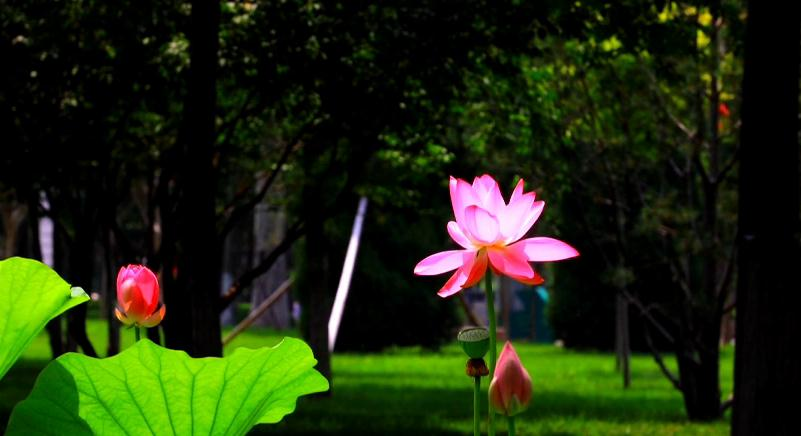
pixel 347 273
pixel 46 232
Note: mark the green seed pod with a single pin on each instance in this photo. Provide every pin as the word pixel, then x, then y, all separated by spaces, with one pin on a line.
pixel 474 341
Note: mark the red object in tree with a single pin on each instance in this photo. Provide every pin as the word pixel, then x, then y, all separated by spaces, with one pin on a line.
pixel 723 110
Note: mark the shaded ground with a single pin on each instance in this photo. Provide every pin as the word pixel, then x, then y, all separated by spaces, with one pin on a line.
pixel 411 391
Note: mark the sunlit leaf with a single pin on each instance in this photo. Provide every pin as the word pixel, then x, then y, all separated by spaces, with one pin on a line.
pixel 611 44
pixel 701 39
pixel 705 18
pixel 148 389
pixel 31 294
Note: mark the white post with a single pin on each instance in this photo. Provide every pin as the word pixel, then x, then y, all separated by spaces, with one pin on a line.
pixel 347 273
pixel 46 233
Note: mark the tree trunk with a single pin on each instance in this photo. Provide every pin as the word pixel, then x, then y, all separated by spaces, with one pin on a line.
pixel 81 262
pixel 699 362
pixel 315 282
pixel 622 345
pixel 110 284
pixel 192 275
pixel 314 276
pixel 699 384
pixel 768 358
pixel 269 228
pixel 55 329
pixel 12 215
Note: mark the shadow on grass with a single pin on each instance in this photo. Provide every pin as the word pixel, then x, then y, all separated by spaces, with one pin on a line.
pixel 373 409
pixel 16 385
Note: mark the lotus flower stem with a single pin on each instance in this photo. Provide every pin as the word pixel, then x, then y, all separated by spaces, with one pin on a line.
pixel 476 406
pixel 492 350
pixel 137 333
pixel 511 426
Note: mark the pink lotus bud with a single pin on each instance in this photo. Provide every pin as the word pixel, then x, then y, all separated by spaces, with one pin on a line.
pixel 138 297
pixel 510 389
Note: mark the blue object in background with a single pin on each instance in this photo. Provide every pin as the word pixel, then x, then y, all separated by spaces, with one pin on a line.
pixel 527 318
pixel 543 294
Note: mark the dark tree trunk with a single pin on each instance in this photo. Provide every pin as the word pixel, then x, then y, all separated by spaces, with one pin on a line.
pixel 768 357
pixel 81 262
pixel 699 361
pixel 113 327
pixel 192 275
pixel 622 339
pixel 314 278
pixel 315 287
pixel 699 384
pixel 110 264
pixel 55 328
pixel 55 337
pixel 698 353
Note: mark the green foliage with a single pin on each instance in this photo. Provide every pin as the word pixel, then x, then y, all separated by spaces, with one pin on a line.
pixel 31 294
pixel 635 128
pixel 154 390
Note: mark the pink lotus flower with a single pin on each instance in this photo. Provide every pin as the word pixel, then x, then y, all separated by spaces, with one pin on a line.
pixel 138 297
pixel 489 230
pixel 510 388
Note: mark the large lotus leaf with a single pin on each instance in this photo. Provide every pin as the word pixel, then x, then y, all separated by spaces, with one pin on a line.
pixel 31 294
pixel 148 389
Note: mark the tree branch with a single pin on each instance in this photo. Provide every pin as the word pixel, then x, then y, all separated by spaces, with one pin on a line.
pixel 679 172
pixel 238 213
pixel 658 359
pixel 246 279
pixel 679 274
pixel 724 406
pixel 293 234
pixel 702 169
pixel 230 125
pixel 691 134
pixel 729 308
pixel 721 176
pixel 646 313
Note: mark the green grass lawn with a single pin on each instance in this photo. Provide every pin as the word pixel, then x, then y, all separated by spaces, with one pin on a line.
pixel 411 391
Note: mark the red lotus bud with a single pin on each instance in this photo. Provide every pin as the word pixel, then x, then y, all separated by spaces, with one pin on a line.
pixel 510 389
pixel 138 297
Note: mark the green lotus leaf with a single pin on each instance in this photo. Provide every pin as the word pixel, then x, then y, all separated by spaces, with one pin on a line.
pixel 31 294
pixel 149 389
